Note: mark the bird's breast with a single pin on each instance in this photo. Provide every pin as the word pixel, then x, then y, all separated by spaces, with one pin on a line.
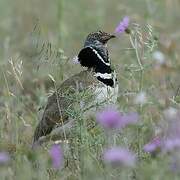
pixel 106 94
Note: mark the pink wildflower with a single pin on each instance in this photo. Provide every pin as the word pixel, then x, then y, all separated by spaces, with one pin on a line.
pixel 56 156
pixel 122 26
pixel 119 156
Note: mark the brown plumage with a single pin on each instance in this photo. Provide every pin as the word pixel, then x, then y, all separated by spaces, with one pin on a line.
pixel 95 57
pixel 58 103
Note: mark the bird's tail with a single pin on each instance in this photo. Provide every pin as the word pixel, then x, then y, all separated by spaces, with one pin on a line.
pixel 42 129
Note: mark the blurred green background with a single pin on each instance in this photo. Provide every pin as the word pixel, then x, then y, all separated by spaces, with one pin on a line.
pixel 66 23
pixel 40 37
pixel 26 25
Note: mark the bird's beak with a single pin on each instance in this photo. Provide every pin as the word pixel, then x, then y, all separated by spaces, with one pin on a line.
pixel 112 36
pixel 109 36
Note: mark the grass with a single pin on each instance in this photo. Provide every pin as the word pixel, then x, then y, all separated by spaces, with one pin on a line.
pixel 38 43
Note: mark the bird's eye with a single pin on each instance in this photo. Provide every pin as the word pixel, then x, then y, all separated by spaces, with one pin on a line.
pixel 100 32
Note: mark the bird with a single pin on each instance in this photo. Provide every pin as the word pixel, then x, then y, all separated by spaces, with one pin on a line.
pixel 98 77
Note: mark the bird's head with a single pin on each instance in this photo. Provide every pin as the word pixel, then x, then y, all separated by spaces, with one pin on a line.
pixel 95 53
pixel 99 36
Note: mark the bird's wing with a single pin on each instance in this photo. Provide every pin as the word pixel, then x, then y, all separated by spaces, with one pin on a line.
pixel 61 103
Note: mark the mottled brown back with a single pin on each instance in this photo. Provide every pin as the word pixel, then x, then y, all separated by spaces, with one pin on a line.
pixel 60 101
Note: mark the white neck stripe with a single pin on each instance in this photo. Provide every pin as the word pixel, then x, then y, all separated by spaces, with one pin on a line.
pixel 103 76
pixel 107 64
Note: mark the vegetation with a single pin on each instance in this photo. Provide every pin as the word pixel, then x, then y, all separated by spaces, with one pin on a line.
pixel 38 42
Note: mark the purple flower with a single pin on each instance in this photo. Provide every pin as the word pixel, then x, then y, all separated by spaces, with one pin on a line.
pixel 153 145
pixel 172 132
pixel 175 163
pixel 130 118
pixel 56 156
pixel 123 25
pixel 4 157
pixel 171 144
pixel 110 118
pixel 119 156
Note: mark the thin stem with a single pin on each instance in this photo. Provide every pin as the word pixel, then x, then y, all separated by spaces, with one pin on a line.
pixel 141 72
pixel 6 82
pixel 59 107
pixel 15 74
pixel 141 69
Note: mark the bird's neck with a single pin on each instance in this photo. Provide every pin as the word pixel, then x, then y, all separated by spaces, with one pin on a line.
pixel 106 75
pixel 102 71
